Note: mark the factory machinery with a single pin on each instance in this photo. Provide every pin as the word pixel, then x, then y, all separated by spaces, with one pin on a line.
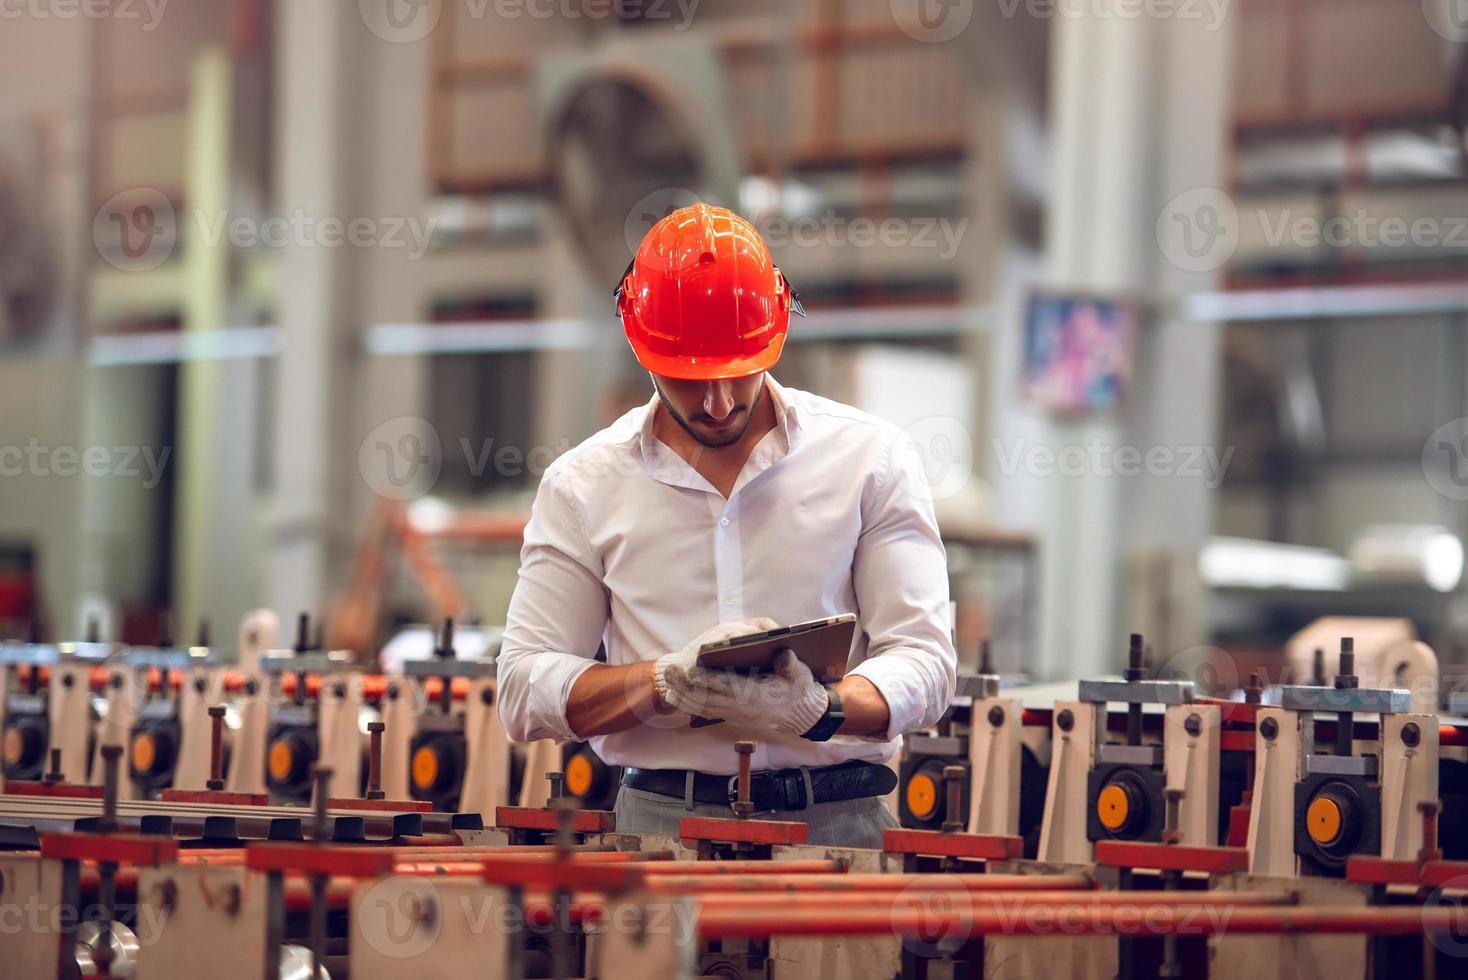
pixel 170 815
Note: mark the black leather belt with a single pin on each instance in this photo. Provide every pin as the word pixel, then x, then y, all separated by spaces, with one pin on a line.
pixel 770 789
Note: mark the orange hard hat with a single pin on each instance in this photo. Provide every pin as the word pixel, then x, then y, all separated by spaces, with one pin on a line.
pixel 703 300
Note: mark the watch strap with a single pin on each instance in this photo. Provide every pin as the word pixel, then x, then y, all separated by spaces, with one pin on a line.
pixel 829 722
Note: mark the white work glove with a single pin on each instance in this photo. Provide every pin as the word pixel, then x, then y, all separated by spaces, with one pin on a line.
pixel 788 700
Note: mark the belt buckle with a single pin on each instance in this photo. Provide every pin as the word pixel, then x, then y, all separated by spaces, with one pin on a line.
pixel 757 780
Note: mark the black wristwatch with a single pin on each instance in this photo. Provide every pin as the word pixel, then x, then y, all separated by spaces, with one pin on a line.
pixel 833 719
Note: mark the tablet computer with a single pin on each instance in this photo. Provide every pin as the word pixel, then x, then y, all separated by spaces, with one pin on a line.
pixel 823 645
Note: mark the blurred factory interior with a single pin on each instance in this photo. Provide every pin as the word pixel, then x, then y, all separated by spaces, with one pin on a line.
pixel 301 298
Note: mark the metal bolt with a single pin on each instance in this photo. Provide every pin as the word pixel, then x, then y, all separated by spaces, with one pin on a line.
pixel 1135 659
pixel 1065 721
pixel 743 806
pixel 953 777
pixel 445 651
pixel 1269 728
pixel 986 664
pixel 374 760
pixel 53 774
pixel 557 784
pixel 216 748
pixel 1173 798
pixel 996 716
pixel 1411 735
pixel 303 632
pixel 1136 670
pixel 1193 724
pixel 1346 676
pixel 445 648
pixel 317 940
pixel 111 755
pixel 1254 693
pixel 1430 851
pixel 486 696
pixel 321 777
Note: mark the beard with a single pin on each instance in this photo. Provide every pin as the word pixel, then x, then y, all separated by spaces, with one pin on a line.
pixel 714 440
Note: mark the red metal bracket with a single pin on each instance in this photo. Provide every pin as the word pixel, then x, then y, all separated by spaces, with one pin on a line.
pixel 1365 869
pixel 547 819
pixel 1236 740
pixel 935 843
pixel 1450 874
pixel 1235 712
pixel 388 806
pixel 726 830
pixel 1171 857
pixel 308 858
pixel 215 797
pixel 1238 821
pixel 130 849
pixel 22 787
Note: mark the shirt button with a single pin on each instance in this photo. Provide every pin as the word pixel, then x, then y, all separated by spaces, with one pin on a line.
pixel 723 522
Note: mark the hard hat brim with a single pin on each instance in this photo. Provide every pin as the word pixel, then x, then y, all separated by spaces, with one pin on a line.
pixel 711 368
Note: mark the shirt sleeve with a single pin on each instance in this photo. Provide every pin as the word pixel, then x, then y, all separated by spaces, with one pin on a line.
pixel 556 619
pixel 900 574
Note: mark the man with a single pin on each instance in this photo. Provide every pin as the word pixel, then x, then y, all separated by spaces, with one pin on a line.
pixel 725 505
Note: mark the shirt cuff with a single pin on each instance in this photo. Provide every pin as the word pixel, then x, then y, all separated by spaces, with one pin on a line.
pixel 547 690
pixel 899 681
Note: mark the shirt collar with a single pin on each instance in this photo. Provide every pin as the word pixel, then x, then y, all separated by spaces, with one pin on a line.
pixel 787 416
pixel 665 465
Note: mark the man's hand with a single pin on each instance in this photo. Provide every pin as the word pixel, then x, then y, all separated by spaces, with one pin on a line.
pixel 680 682
pixel 789 700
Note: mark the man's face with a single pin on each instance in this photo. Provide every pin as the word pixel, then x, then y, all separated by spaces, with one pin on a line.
pixel 715 413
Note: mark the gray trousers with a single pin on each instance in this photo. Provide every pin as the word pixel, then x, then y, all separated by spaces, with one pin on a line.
pixel 848 823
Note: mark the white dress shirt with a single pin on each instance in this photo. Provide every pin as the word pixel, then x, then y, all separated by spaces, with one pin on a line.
pixel 630 546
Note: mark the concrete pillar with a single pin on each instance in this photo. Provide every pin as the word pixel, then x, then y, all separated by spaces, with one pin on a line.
pixel 316 169
pixel 1138 109
pixel 214 488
